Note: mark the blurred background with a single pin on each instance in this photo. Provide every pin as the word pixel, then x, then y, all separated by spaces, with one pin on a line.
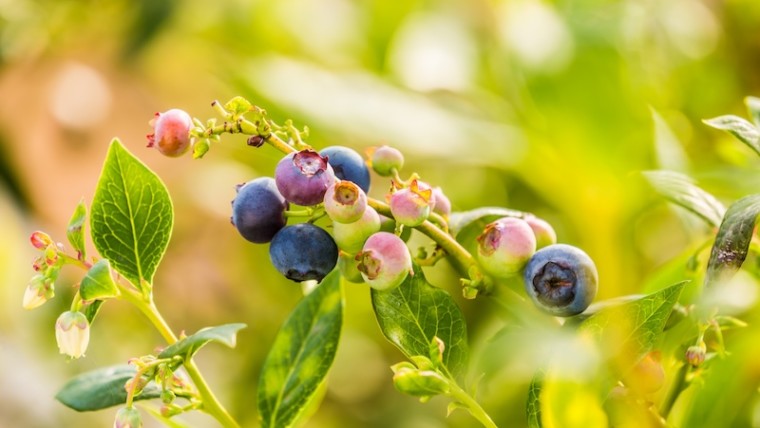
pixel 552 107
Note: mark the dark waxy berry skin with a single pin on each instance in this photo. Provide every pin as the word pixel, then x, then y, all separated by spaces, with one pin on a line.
pixel 303 177
pixel 561 280
pixel 171 132
pixel 303 251
pixel 348 165
pixel 258 210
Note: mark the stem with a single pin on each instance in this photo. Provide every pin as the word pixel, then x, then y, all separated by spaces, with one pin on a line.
pixel 211 404
pixel 678 385
pixel 475 410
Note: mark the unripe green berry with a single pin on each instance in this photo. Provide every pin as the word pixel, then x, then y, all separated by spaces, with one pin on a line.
pixel 384 160
pixel 350 237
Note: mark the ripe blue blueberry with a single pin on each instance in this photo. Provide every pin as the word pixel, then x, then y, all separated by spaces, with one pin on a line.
pixel 561 280
pixel 258 210
pixel 303 177
pixel 348 165
pixel 303 251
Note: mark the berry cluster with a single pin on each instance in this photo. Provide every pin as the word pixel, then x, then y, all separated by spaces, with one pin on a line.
pixel 334 182
pixel 366 246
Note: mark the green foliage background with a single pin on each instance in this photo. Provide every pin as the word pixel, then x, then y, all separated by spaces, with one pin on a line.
pixel 551 107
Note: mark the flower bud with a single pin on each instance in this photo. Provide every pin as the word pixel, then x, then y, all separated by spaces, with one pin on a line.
pixel 37 292
pixel 384 160
pixel 345 201
pixel 695 355
pixel 420 383
pixel 127 417
pixel 40 240
pixel 72 332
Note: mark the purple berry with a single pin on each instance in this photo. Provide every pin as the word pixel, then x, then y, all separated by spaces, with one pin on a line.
pixel 561 280
pixel 348 165
pixel 303 177
pixel 385 160
pixel 258 210
pixel 345 201
pixel 351 236
pixel 171 132
pixel 505 246
pixel 411 206
pixel 384 261
pixel 545 234
pixel 303 251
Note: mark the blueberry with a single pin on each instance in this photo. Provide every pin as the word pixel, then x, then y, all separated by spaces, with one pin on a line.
pixel 441 203
pixel 303 177
pixel 171 132
pixel 384 262
pixel 411 206
pixel 303 251
pixel 348 165
pixel 351 236
pixel 505 246
pixel 385 160
pixel 545 234
pixel 258 210
pixel 345 201
pixel 561 280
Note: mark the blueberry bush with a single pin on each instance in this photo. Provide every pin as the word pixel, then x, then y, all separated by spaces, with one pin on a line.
pixel 655 359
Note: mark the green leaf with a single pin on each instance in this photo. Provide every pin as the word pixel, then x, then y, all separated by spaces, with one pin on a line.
pixel 740 128
pixel 131 217
pixel 91 310
pixel 415 312
pixel 102 388
pixel 225 334
pixel 733 238
pixel 633 327
pixel 753 105
pixel 98 282
pixel 75 230
pixel 681 190
pixel 301 355
pixel 238 106
pixel 533 407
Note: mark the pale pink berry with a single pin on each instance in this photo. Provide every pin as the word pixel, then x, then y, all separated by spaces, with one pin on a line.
pixel 545 234
pixel 411 206
pixel 345 201
pixel 385 261
pixel 505 246
pixel 171 132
